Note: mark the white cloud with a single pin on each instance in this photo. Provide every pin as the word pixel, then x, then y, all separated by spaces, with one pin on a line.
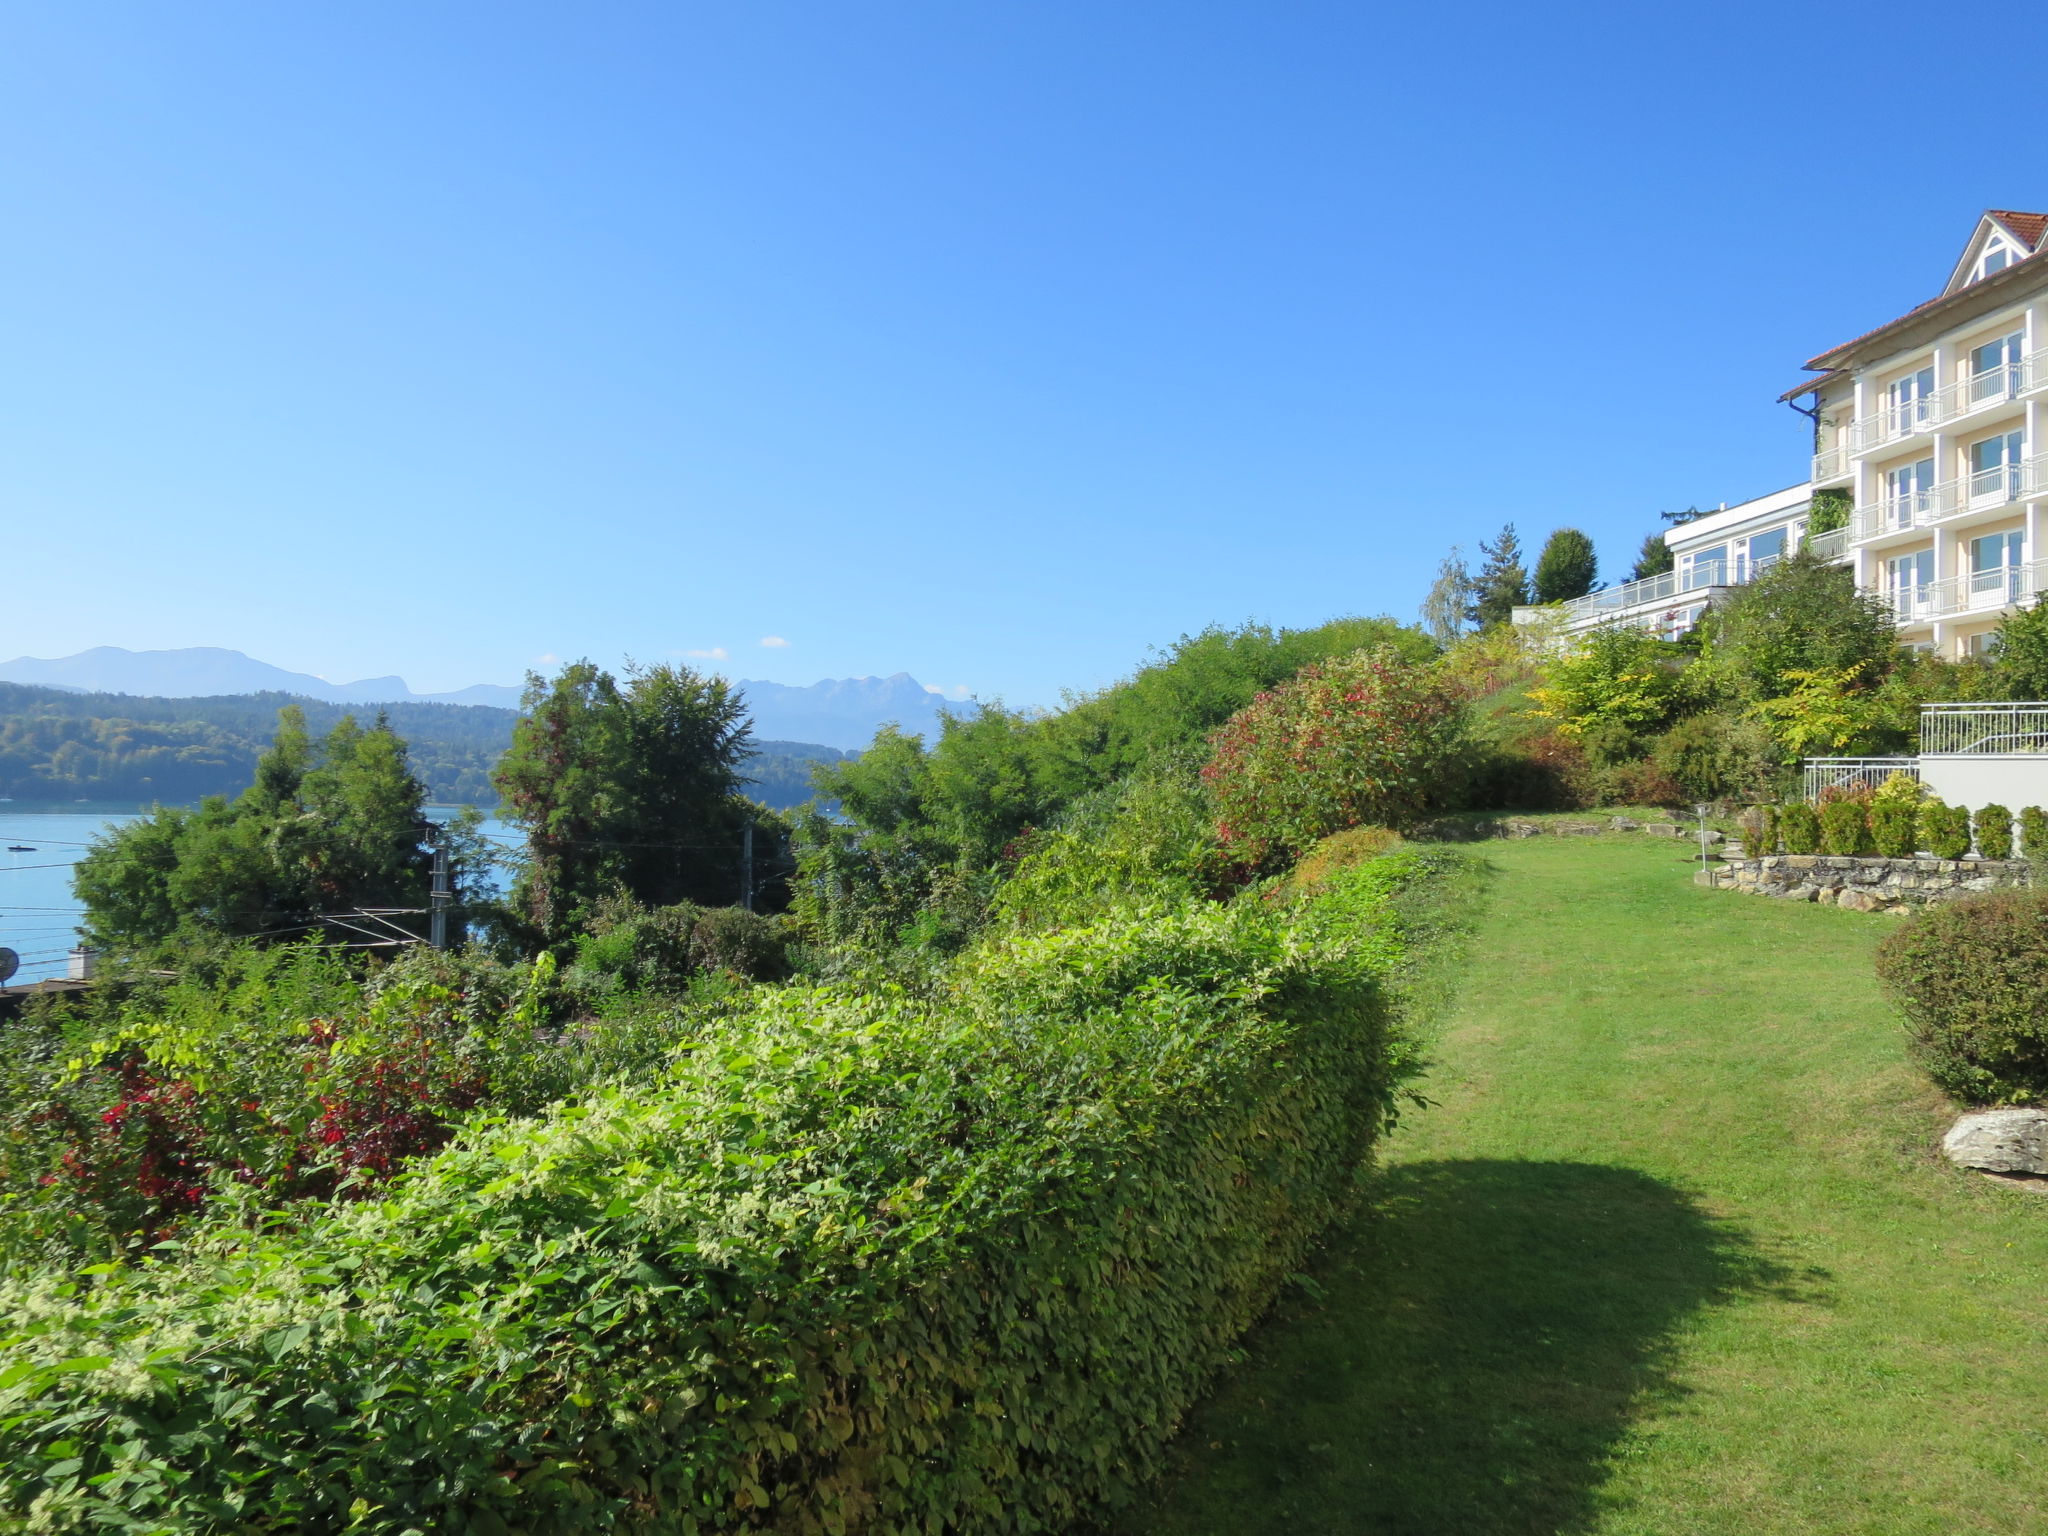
pixel 547 659
pixel 716 653
pixel 774 642
pixel 957 692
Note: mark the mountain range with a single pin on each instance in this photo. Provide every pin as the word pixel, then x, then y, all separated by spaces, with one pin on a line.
pixel 838 712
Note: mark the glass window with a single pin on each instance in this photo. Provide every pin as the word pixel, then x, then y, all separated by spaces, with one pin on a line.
pixel 1767 546
pixel 1709 568
pixel 1996 551
pixel 1906 492
pixel 1995 260
pixel 1910 401
pixel 1995 467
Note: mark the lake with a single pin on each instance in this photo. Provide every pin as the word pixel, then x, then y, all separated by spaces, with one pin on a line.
pixel 38 915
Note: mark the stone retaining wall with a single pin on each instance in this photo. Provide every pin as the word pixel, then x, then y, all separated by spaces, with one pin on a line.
pixel 1866 885
pixel 1514 826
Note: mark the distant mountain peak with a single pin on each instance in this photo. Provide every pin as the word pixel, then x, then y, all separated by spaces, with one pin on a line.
pixel 842 712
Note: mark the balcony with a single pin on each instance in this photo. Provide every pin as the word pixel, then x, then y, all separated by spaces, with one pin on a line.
pixel 1612 602
pixel 1984 491
pixel 1832 545
pixel 1831 465
pixel 1977 592
pixel 1952 402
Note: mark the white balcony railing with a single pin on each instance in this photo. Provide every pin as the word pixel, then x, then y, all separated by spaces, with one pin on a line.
pixel 1903 418
pixel 1976 592
pixel 1825 773
pixel 1952 498
pixel 1832 545
pixel 1984 730
pixel 1831 464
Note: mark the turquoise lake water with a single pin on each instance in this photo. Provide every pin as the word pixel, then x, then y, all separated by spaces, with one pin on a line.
pixel 38 916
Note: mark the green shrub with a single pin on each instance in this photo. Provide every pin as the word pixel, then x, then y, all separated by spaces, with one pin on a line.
pixel 1716 756
pixel 1341 852
pixel 1799 825
pixel 1772 817
pixel 1970 977
pixel 1895 827
pixel 629 947
pixel 1945 829
pixel 2034 833
pixel 741 942
pixel 1993 826
pixel 1367 739
pixel 1844 828
pixel 861 1262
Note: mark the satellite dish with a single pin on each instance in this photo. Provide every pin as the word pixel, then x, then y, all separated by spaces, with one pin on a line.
pixel 10 962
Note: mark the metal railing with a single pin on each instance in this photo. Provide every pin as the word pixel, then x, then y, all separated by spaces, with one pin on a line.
pixel 1952 498
pixel 1831 464
pixel 1976 592
pixel 1820 774
pixel 1985 730
pixel 1924 413
pixel 1832 545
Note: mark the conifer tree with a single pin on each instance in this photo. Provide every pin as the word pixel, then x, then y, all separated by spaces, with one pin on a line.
pixel 1502 583
pixel 1654 559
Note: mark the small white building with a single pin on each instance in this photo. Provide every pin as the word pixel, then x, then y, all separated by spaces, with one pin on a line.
pixel 1971 755
pixel 1711 554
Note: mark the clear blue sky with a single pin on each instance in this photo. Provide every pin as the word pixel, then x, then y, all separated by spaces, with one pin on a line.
pixel 993 342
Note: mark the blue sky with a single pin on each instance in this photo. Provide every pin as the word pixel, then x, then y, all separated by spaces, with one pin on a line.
pixel 996 343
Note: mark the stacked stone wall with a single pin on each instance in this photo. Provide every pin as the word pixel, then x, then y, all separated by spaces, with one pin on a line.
pixel 1866 885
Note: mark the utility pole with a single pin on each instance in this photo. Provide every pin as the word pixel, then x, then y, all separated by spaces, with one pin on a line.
pixel 747 867
pixel 438 894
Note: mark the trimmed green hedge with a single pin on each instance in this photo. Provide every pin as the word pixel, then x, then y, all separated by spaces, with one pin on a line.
pixel 858 1262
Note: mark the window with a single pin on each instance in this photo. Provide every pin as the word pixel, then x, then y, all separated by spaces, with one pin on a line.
pixel 1995 564
pixel 1909 583
pixel 1995 467
pixel 1907 493
pixel 1765 550
pixel 1709 568
pixel 1996 258
pixel 1910 401
pixel 1995 369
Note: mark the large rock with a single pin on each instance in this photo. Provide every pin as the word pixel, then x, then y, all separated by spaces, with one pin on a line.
pixel 2000 1140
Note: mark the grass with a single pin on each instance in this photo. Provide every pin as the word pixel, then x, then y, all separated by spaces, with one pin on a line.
pixel 1673 1252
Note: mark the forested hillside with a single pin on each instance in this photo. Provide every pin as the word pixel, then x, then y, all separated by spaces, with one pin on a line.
pixel 61 746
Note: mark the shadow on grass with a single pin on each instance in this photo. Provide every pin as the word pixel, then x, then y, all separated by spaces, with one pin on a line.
pixel 1466 1358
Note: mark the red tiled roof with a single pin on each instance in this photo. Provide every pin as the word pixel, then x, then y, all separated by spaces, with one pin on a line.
pixel 1815 360
pixel 2030 227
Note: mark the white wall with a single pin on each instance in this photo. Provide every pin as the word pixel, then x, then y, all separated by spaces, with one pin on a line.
pixel 2014 782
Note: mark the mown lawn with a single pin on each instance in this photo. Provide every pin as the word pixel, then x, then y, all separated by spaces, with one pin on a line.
pixel 1673 1252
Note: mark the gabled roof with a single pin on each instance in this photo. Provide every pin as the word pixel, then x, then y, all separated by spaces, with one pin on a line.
pixel 2020 229
pixel 2027 230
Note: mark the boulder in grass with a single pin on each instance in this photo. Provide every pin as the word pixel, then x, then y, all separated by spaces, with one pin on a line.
pixel 2000 1141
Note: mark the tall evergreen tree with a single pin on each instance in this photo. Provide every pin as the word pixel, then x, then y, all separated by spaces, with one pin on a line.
pixel 1654 559
pixel 1566 569
pixel 1502 583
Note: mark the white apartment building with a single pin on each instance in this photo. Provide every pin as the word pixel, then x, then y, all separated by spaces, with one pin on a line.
pixel 1723 549
pixel 1936 424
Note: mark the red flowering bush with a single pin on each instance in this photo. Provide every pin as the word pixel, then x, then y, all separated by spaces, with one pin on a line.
pixel 1365 739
